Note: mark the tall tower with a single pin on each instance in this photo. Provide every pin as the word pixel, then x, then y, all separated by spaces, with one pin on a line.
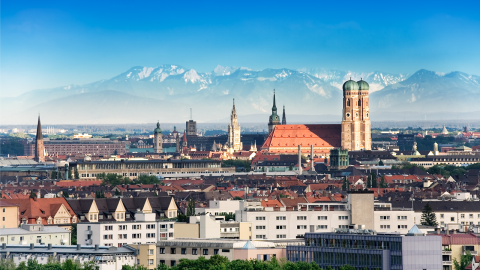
pixel 184 141
pixel 158 139
pixel 284 118
pixel 234 142
pixel 273 120
pixel 355 118
pixel 39 147
pixel 191 126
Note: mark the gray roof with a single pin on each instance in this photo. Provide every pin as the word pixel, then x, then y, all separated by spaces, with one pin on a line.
pixel 66 249
pixel 46 229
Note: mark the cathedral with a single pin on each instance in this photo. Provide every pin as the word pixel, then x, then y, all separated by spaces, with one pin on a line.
pixel 352 134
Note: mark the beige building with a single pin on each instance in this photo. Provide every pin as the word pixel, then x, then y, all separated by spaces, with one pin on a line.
pixel 35 234
pixel 146 255
pixel 8 215
pixel 356 133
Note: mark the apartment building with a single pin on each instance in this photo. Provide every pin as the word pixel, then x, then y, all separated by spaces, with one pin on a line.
pixel 145 229
pixel 455 245
pixel 105 258
pixel 35 234
pixel 358 209
pixel 218 207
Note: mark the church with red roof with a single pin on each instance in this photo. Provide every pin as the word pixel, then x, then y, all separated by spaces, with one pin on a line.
pixel 352 134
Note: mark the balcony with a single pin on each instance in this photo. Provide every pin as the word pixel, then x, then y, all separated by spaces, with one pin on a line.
pixel 88 232
pixel 472 252
pixel 446 252
pixel 447 263
pixel 88 241
pixel 229 234
pixel 164 229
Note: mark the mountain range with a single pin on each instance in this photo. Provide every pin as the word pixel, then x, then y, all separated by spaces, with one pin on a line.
pixel 167 92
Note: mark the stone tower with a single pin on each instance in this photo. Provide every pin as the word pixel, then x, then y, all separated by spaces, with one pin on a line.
pixel 284 118
pixel 39 147
pixel 158 139
pixel 274 119
pixel 356 116
pixel 234 142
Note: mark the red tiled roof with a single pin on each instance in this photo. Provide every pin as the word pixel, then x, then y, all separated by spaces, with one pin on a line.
pixel 322 137
pixel 32 209
pixel 77 183
pixel 459 239
pixel 271 203
pixel 240 193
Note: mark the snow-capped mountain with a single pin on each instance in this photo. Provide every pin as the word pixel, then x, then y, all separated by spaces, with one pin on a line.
pixel 167 92
pixel 377 80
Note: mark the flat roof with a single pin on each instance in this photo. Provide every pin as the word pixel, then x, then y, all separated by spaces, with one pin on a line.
pixel 151 161
pixel 65 249
pixel 46 229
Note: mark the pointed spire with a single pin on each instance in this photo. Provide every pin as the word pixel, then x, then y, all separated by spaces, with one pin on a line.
pixel 284 118
pixel 274 108
pixel 39 129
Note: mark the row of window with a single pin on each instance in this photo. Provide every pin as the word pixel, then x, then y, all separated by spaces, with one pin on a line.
pixel 303 218
pixel 134 227
pixel 124 236
pixel 183 251
pixel 388 217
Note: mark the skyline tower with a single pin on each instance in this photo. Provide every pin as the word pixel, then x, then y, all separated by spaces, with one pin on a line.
pixel 356 134
pixel 274 119
pixel 39 146
pixel 158 139
pixel 284 118
pixel 234 143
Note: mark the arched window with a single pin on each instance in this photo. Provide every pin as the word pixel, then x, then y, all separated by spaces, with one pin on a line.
pixel 348 102
pixel 359 102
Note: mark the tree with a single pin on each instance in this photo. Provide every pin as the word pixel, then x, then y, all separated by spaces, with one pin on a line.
pixel 148 180
pixel 191 208
pixel 465 260
pixel 182 218
pixel 237 198
pixel 382 182
pixel 381 163
pixel 73 238
pixel 228 216
pixel 54 174
pixel 65 194
pixel 117 192
pixel 428 216
pixel 33 195
pixel 345 184
pixel 369 181
pixel 77 176
pixel 374 180
pixel 290 168
pixel 99 194
pixel 70 173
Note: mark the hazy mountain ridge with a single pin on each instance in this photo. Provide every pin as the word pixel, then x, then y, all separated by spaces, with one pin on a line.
pixel 166 92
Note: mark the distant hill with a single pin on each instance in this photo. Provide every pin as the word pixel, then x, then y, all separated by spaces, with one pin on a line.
pixel 167 92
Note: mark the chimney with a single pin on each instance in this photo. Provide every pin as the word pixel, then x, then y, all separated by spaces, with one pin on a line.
pixel 32 246
pixel 49 246
pixel 300 159
pixel 96 247
pixel 79 247
pixel 312 169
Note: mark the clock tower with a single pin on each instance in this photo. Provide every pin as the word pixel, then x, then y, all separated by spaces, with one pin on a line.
pixel 274 119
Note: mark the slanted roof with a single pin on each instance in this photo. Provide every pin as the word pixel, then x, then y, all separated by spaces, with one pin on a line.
pixel 249 245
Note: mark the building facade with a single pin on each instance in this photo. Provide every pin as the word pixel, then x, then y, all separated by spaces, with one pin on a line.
pixel 105 258
pixel 94 146
pixel 145 229
pixel 165 168
pixel 8 215
pixel 367 250
pixel 35 234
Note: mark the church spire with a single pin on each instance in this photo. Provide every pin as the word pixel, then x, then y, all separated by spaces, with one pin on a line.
pixel 39 146
pixel 274 108
pixel 284 118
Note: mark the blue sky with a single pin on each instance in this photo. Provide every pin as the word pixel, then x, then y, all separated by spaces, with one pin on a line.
pixel 53 43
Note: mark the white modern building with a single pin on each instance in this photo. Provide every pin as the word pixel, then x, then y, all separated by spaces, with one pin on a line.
pixel 144 230
pixel 105 258
pixel 218 207
pixel 35 234
pixel 358 211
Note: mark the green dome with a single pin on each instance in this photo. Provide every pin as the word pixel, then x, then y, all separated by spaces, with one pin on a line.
pixel 363 85
pixel 158 129
pixel 350 85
